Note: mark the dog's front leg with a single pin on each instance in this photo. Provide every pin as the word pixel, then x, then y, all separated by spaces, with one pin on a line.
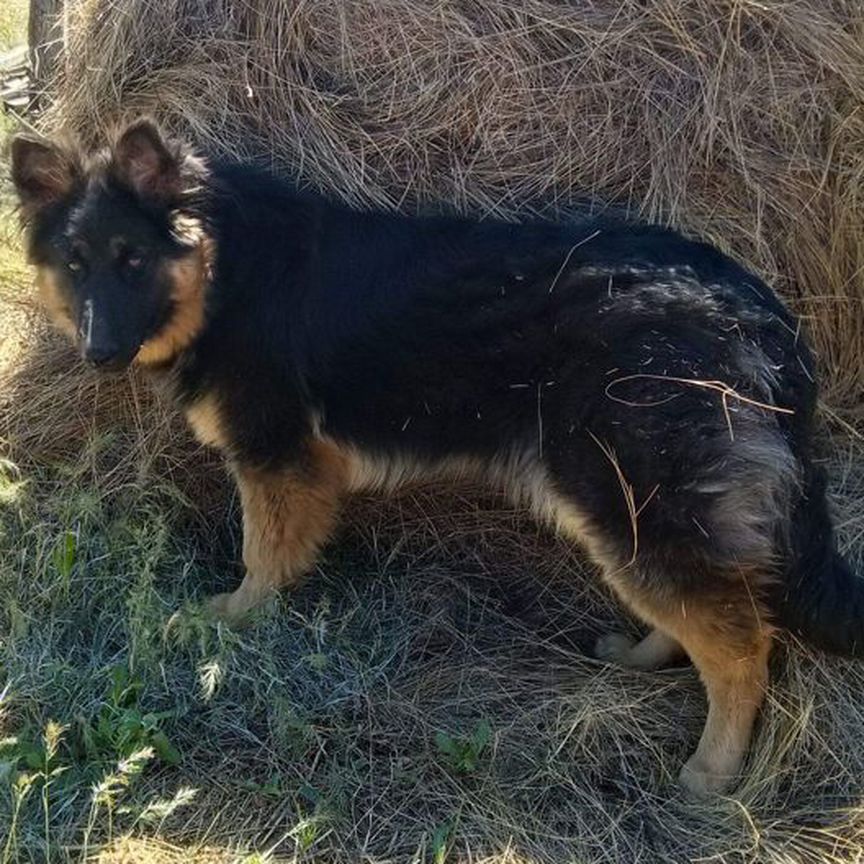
pixel 288 513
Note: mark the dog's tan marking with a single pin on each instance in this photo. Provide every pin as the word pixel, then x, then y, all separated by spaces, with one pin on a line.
pixel 735 675
pixel 287 516
pixel 519 475
pixel 726 635
pixel 206 422
pixel 190 277
pixel 52 299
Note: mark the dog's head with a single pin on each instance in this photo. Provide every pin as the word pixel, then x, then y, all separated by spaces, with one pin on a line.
pixel 121 255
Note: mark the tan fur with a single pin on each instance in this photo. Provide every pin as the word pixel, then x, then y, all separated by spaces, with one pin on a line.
pixel 572 523
pixel 389 473
pixel 51 298
pixel 204 418
pixel 727 636
pixel 519 475
pixel 735 675
pixel 287 516
pixel 190 277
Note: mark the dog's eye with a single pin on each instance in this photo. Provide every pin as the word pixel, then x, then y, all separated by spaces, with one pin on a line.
pixel 135 261
pixel 74 266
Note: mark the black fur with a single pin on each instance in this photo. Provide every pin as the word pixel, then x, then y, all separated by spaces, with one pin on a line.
pixel 819 599
pixel 441 336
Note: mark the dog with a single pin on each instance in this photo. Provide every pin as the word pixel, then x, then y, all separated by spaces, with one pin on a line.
pixel 637 390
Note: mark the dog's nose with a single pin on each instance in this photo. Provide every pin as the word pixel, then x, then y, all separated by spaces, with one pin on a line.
pixel 102 356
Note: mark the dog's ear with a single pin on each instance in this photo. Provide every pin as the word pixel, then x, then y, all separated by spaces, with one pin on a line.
pixel 145 162
pixel 42 172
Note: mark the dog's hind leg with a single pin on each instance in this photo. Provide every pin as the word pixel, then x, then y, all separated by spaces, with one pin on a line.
pixel 727 637
pixel 287 516
pixel 735 674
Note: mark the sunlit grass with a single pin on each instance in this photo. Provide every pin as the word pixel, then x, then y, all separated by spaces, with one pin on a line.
pixel 13 23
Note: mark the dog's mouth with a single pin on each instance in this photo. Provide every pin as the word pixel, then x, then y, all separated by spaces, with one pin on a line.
pixel 108 351
pixel 107 363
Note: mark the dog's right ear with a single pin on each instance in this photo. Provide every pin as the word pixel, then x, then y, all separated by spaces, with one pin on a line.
pixel 146 162
pixel 41 171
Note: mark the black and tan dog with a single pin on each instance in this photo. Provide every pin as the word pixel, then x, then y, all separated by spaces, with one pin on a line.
pixel 640 392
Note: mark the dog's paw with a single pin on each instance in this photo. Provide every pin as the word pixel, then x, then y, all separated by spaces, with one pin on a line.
pixel 614 647
pixel 703 782
pixel 224 609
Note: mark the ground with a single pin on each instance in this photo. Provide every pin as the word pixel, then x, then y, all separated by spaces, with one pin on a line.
pixel 429 695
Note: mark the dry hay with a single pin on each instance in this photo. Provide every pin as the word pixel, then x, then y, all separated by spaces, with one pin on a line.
pixel 740 121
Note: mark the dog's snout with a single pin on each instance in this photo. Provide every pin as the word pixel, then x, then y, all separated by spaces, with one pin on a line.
pixel 97 345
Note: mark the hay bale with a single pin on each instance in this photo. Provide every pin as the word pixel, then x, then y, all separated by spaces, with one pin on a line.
pixel 740 121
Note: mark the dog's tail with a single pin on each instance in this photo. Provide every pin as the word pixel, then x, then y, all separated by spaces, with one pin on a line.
pixel 820 599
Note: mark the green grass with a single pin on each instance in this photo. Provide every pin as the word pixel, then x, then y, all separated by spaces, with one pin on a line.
pixel 13 23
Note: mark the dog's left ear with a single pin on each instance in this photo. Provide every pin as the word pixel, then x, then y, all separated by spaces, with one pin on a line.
pixel 146 163
pixel 43 172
